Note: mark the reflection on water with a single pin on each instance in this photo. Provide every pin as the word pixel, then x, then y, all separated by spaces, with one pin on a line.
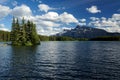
pixel 61 60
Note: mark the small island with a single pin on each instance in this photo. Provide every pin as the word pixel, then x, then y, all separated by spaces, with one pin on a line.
pixel 24 33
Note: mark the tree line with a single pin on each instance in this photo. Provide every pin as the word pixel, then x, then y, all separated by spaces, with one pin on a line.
pixel 106 38
pixel 60 38
pixel 4 36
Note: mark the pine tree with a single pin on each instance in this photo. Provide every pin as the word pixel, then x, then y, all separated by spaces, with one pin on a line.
pixel 34 37
pixel 24 34
pixel 17 31
pixel 17 25
pixel 23 21
pixel 13 24
pixel 13 30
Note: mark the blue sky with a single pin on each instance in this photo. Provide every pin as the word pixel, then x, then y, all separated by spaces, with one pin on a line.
pixel 52 16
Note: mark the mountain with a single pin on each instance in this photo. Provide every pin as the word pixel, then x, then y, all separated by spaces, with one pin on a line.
pixel 86 32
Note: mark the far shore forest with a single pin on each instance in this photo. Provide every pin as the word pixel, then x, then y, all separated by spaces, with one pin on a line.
pixel 5 36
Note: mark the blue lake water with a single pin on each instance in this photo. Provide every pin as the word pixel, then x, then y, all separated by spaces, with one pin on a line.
pixel 68 60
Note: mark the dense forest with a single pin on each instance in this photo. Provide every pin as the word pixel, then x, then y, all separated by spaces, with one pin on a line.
pixel 24 33
pixel 106 38
pixel 60 38
pixel 4 36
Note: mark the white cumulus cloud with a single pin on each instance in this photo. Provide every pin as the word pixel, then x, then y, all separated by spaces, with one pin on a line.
pixel 45 7
pixel 67 18
pixel 50 16
pixel 4 11
pixel 82 22
pixel 51 22
pixel 116 17
pixel 93 9
pixel 22 11
pixel 109 24
pixel 55 17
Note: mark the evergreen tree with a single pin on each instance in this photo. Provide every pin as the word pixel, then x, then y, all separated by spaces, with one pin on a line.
pixel 17 25
pixel 34 37
pixel 13 24
pixel 25 34
pixel 17 30
pixel 23 21
pixel 13 30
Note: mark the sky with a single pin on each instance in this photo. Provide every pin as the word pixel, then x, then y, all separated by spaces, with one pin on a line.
pixel 53 16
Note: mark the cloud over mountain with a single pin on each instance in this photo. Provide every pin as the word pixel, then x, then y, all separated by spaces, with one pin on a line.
pixel 109 24
pixel 52 21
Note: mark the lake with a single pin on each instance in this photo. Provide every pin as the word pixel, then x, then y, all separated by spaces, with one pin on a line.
pixel 68 60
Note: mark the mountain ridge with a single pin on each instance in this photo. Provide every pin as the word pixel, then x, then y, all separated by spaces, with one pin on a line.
pixel 86 32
